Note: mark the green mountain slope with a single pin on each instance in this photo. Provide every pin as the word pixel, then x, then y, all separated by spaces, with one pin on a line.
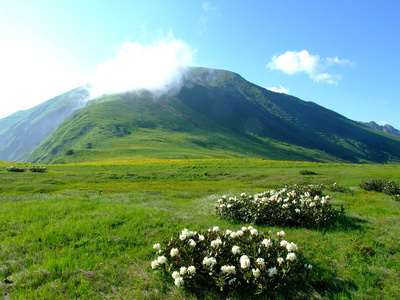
pixel 216 114
pixel 21 132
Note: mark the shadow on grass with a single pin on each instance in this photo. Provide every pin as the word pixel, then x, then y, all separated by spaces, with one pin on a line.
pixel 344 224
pixel 323 284
pixel 327 284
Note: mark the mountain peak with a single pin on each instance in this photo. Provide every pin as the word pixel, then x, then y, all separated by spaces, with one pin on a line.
pixel 215 114
pixel 384 128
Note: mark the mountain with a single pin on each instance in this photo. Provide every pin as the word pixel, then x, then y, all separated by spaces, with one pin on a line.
pixel 216 114
pixel 386 128
pixel 22 131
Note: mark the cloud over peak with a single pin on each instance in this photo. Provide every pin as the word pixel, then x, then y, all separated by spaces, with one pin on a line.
pixel 157 67
pixel 292 62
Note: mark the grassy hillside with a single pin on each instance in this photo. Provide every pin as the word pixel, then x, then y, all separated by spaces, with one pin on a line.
pixel 21 132
pixel 128 125
pixel 86 230
pixel 217 114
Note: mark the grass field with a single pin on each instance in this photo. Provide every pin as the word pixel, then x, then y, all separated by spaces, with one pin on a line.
pixel 85 231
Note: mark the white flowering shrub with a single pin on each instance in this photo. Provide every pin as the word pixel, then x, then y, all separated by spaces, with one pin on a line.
pixel 373 185
pixel 382 186
pixel 335 187
pixel 37 169
pixel 15 169
pixel 285 207
pixel 243 261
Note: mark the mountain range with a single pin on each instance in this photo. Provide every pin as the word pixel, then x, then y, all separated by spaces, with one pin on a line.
pixel 385 128
pixel 214 114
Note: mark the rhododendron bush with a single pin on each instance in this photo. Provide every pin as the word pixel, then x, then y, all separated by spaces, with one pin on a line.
pixel 296 206
pixel 246 260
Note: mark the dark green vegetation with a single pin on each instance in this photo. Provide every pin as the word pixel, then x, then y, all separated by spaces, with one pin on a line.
pixel 381 186
pixel 37 169
pixel 87 230
pixel 216 114
pixel 15 169
pixel 307 172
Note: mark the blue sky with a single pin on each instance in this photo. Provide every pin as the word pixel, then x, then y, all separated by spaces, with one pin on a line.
pixel 343 55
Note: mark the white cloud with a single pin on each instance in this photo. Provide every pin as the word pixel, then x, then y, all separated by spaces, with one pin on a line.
pixel 208 7
pixel 281 89
pixel 328 78
pixel 157 67
pixel 208 16
pixel 30 75
pixel 292 62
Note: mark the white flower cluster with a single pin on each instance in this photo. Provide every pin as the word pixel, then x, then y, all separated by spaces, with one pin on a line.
pixel 174 252
pixel 186 234
pixel 244 262
pixel 290 206
pixel 267 243
pixel 161 260
pixel 291 256
pixel 235 249
pixel 256 273
pixel 282 196
pixel 157 246
pixel 209 262
pixel 216 243
pixel 260 261
pixel 244 256
pixel 177 276
pixel 228 269
pixel 178 279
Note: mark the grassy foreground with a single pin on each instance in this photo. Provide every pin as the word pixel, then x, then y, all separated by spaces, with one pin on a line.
pixel 86 230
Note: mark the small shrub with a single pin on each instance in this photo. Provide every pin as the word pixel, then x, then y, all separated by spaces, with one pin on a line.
pixel 381 186
pixel 391 188
pixel 37 169
pixel 15 169
pixel 372 184
pixel 284 207
pixel 307 172
pixel 69 152
pixel 396 198
pixel 335 187
pixel 312 189
pixel 245 261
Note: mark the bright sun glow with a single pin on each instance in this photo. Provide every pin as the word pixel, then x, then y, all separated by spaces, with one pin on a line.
pixel 29 77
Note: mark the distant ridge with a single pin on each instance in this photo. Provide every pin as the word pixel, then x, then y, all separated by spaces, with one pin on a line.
pixel 216 114
pixel 385 128
pixel 24 130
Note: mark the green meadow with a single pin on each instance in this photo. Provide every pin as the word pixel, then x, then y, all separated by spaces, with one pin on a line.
pixel 86 230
